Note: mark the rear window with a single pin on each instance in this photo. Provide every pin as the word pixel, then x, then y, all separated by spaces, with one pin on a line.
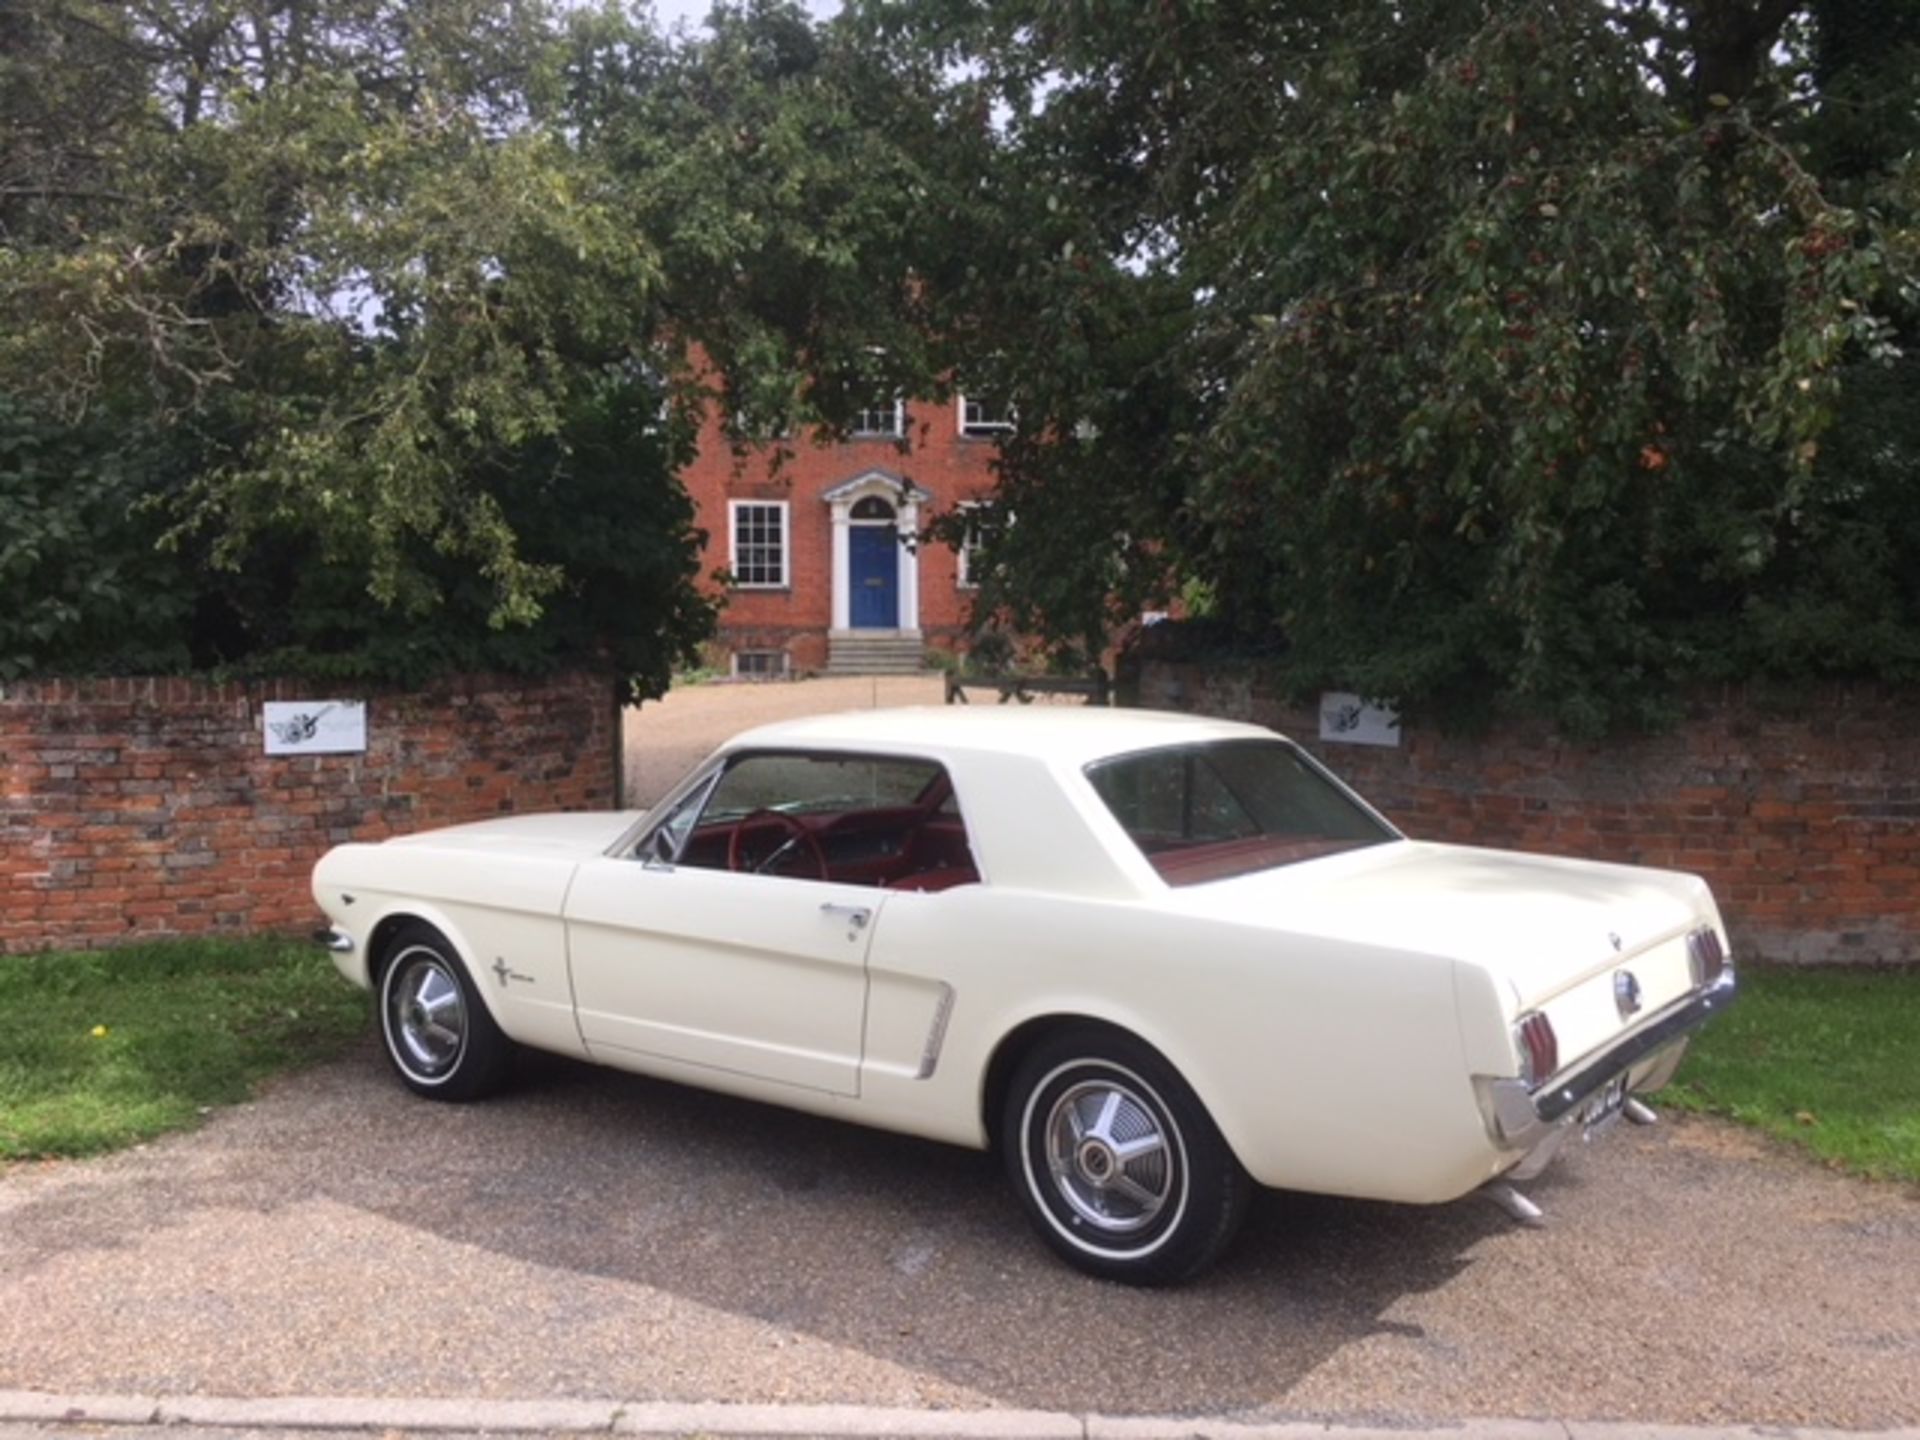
pixel 1207 812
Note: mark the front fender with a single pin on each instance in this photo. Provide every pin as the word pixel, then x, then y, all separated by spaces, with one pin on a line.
pixel 515 954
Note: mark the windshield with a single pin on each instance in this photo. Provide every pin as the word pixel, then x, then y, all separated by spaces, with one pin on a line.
pixel 818 784
pixel 1206 812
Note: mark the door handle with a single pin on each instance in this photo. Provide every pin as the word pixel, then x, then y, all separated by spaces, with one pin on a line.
pixel 856 915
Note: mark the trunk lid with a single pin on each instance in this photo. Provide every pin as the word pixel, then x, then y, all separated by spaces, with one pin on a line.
pixel 1541 924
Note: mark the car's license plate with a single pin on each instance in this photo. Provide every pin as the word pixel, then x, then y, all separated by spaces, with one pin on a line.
pixel 1603 1108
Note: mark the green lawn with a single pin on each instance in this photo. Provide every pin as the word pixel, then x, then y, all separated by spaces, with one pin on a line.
pixel 105 1048
pixel 1828 1060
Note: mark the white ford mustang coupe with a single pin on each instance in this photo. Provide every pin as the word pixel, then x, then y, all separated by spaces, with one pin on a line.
pixel 1152 959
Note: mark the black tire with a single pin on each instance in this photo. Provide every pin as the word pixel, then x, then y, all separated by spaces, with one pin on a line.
pixel 1157 1216
pixel 438 1032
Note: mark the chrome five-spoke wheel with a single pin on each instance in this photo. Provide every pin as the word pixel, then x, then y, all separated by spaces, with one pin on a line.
pixel 425 1014
pixel 1108 1154
pixel 439 1034
pixel 1116 1161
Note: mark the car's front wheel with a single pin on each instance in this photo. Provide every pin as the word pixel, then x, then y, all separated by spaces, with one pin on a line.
pixel 1117 1162
pixel 438 1032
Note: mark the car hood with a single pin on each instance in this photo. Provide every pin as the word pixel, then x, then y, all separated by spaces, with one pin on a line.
pixel 579 834
pixel 1542 922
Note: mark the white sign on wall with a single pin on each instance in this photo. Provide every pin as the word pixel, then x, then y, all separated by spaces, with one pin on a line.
pixel 316 727
pixel 1349 720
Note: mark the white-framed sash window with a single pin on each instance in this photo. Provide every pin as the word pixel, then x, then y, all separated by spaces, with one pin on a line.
pixel 758 532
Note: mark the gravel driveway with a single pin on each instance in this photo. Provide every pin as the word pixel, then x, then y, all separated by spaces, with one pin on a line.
pixel 665 737
pixel 593 1234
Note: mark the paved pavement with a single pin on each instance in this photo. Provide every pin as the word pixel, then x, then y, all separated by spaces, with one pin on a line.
pixel 324 1421
pixel 307 1419
pixel 666 737
pixel 593 1235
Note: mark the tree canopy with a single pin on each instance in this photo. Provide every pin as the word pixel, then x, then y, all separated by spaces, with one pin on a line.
pixel 390 305
pixel 1554 352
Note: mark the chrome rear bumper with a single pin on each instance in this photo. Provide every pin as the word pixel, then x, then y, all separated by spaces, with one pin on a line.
pixel 1522 1119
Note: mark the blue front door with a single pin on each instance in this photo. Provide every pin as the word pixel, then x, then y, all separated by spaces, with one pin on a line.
pixel 873 572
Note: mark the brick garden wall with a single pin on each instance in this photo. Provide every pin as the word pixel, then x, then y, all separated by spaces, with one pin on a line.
pixel 138 807
pixel 1803 812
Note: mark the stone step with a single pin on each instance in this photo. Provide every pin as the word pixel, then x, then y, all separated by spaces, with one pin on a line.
pixel 885 645
pixel 875 655
pixel 874 664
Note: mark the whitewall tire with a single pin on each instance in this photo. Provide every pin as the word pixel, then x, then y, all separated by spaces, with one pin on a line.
pixel 1115 1160
pixel 438 1032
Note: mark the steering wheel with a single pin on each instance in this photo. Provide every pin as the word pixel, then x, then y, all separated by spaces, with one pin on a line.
pixel 780 820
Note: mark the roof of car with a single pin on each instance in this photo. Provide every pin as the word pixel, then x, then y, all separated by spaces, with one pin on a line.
pixel 1074 734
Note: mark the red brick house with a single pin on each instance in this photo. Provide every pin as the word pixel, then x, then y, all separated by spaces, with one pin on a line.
pixel 827 573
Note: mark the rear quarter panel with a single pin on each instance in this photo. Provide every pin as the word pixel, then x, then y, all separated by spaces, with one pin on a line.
pixel 1329 1067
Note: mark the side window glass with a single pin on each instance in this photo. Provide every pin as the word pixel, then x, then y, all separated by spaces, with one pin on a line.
pixel 667 839
pixel 882 821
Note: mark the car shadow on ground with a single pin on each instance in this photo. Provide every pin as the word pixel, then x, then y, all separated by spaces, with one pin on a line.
pixel 911 1251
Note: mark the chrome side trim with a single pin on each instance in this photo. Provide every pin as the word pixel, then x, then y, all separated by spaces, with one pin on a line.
pixel 334 938
pixel 937 1034
pixel 1677 1020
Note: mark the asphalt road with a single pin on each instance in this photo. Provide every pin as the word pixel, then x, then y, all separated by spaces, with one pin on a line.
pixel 592 1234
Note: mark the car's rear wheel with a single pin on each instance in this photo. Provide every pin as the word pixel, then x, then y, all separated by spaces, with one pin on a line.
pixel 438 1032
pixel 1116 1161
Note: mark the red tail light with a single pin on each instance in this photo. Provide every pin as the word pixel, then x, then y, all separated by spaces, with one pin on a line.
pixel 1539 1048
pixel 1706 956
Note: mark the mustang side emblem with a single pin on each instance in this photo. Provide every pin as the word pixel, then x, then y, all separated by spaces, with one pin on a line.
pixel 1613 938
pixel 501 968
pixel 1626 993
